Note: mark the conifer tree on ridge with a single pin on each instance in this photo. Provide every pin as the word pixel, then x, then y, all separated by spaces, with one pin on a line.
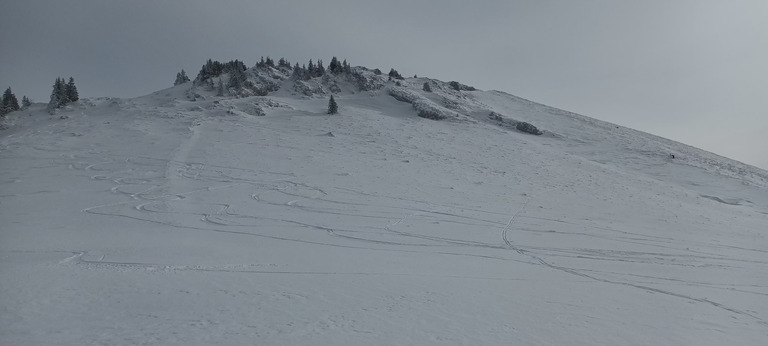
pixel 25 102
pixel 181 78
pixel 71 90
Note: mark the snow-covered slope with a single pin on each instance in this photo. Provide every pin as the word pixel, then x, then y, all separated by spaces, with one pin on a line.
pixel 181 218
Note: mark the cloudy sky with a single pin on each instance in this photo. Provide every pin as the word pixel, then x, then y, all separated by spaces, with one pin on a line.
pixel 695 71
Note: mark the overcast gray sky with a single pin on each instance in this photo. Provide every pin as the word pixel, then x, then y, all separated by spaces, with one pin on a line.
pixel 695 71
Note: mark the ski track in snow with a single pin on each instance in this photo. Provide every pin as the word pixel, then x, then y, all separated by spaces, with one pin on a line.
pixel 606 255
pixel 178 168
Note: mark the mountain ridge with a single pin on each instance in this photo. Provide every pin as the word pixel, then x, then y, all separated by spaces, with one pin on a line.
pixel 445 102
pixel 448 102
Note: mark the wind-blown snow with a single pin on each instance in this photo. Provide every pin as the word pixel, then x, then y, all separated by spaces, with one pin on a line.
pixel 160 220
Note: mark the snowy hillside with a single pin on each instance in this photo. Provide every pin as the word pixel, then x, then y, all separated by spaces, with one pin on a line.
pixel 186 218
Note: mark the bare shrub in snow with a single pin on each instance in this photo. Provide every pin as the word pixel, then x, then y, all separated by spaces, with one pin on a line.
pixel 527 128
pixel 303 88
pixel 331 82
pixel 460 87
pixel 254 109
pixel 403 94
pixel 510 123
pixel 451 104
pixel 308 88
pixel 426 109
pixel 423 106
pixel 365 81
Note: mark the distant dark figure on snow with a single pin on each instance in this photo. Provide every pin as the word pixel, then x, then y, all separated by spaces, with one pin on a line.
pixel 672 155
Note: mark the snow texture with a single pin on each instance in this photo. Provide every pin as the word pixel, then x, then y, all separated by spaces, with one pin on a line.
pixel 182 218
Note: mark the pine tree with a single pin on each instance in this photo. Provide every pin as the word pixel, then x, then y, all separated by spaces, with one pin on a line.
pixel 53 103
pixel 25 102
pixel 58 95
pixel 335 66
pixel 333 108
pixel 209 70
pixel 181 78
pixel 61 92
pixel 71 90
pixel 310 69
pixel 320 71
pixel 394 74
pixel 236 78
pixel 9 102
pixel 14 103
pixel 297 72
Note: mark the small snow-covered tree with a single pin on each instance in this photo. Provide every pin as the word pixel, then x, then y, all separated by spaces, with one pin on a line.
pixel 298 72
pixel 71 90
pixel 310 69
pixel 58 95
pixel 333 108
pixel 214 69
pixel 335 66
pixel 9 102
pixel 236 78
pixel 394 74
pixel 181 78
pixel 53 103
pixel 426 87
pixel 320 70
pixel 25 102
pixel 61 90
